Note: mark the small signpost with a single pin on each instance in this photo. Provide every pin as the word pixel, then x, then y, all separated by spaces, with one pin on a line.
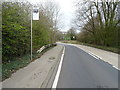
pixel 35 13
pixel 34 16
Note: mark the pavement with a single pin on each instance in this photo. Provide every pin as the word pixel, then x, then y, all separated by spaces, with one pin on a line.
pixel 36 74
pixel 81 69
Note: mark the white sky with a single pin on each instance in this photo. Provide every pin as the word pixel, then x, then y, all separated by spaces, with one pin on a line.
pixel 67 9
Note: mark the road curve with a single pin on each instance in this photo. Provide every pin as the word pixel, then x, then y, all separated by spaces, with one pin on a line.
pixel 81 70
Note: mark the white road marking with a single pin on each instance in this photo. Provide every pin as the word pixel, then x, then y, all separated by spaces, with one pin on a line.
pixel 101 59
pixel 116 67
pixel 58 71
pixel 98 56
pixel 93 55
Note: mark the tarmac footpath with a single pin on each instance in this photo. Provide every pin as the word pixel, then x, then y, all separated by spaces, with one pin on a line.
pixel 38 74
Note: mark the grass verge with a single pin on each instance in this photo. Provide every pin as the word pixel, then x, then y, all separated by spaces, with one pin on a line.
pixel 17 63
pixel 112 49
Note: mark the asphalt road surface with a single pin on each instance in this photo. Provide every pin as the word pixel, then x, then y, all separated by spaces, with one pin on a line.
pixel 81 70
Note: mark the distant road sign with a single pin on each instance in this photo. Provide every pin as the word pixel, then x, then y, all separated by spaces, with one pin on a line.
pixel 35 13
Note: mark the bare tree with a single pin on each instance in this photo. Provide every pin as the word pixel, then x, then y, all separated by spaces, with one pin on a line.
pixel 98 19
pixel 51 9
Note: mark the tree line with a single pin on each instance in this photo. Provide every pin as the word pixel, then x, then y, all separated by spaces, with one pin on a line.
pixel 16 26
pixel 98 22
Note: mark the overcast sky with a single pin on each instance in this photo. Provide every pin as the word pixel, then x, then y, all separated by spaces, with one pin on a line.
pixel 67 9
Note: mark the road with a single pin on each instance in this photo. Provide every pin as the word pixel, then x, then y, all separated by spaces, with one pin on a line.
pixel 81 70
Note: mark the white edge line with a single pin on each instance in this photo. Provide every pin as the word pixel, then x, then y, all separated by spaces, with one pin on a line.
pixel 98 56
pixel 58 71
pixel 93 55
pixel 116 67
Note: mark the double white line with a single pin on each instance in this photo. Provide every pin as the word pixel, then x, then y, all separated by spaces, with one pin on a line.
pixel 59 69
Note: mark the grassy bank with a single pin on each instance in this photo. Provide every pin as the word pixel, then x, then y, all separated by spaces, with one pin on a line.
pixel 115 50
pixel 20 62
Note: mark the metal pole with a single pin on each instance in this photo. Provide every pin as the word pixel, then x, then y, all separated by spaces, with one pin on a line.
pixel 31 31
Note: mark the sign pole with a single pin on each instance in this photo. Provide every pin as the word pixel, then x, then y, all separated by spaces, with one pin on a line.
pixel 31 31
pixel 34 16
